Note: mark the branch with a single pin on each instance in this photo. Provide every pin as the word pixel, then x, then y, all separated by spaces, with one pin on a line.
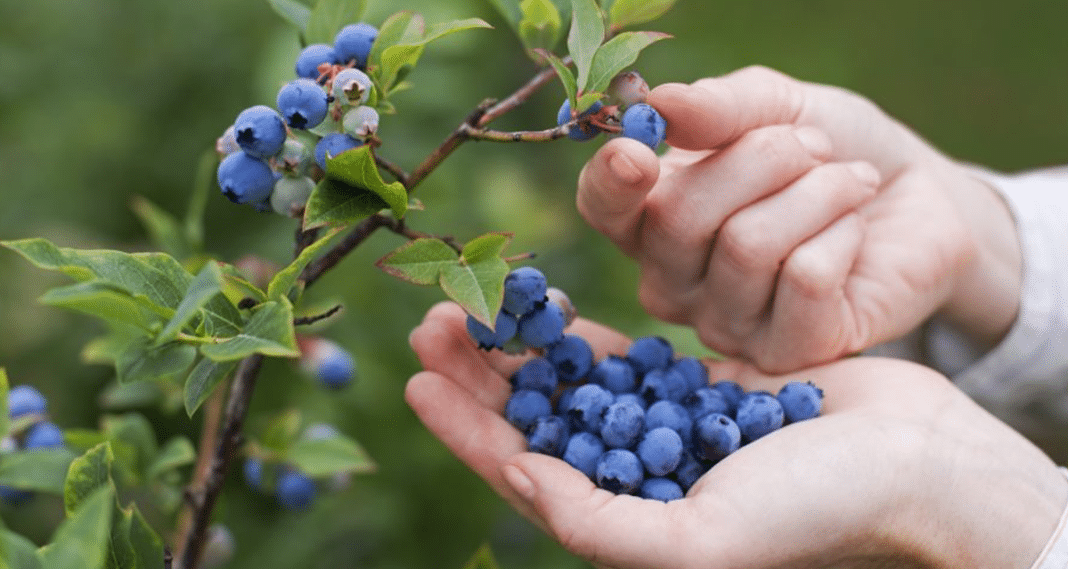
pixel 393 169
pixel 306 320
pixel 546 135
pixel 358 235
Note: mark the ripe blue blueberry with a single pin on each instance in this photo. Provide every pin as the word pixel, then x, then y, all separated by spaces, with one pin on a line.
pixel 582 452
pixel 660 450
pixel 615 373
pixel 548 435
pixel 622 424
pixel 661 384
pixel 586 407
pixel 563 402
pixel 572 357
pixel 352 87
pixel 43 435
pixel 253 471
pixel 328 362
pixel 333 144
pixel 582 130
pixel 25 400
pixel 759 414
pixel 693 370
pixel 632 398
pixel 523 288
pixel 619 471
pixel 705 401
pixel 800 401
pixel 662 489
pixel 642 123
pixel 302 103
pixel 650 352
pixel 542 327
pixel 733 393
pixel 504 329
pixel 311 57
pixel 716 436
pixel 353 43
pixel 525 406
pixel 245 179
pixel 671 415
pixel 537 374
pixel 260 131
pixel 689 470
pixel 295 490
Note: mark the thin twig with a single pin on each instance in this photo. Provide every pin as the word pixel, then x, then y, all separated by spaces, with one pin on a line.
pixel 516 136
pixel 306 320
pixel 209 435
pixel 359 233
pixel 394 170
pixel 303 239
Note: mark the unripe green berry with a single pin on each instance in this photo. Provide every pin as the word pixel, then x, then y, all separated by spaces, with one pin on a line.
pixel 290 195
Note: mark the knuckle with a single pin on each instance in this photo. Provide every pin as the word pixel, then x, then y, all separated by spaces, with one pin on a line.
pixel 810 272
pixel 746 244
pixel 778 147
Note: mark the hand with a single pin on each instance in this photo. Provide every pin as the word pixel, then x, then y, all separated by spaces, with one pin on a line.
pixel 900 467
pixel 794 223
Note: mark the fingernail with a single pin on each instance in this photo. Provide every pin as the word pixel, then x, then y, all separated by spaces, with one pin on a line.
pixel 865 172
pixel 624 169
pixel 519 481
pixel 814 140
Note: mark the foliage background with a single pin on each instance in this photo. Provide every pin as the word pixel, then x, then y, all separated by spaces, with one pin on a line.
pixel 101 101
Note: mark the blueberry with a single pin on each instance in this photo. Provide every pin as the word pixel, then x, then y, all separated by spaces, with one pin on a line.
pixel 660 450
pixel 523 288
pixel 759 414
pixel 25 400
pixel 220 547
pixel 43 435
pixel 732 392
pixel 650 352
pixel 253 471
pixel 628 88
pixel 504 329
pixel 582 451
pixel 693 370
pixel 14 496
pixel 352 87
pixel 632 398
pixel 716 436
pixel 537 374
pixel 311 57
pixel 320 432
pixel 642 123
pixel 542 327
pixel 564 400
pixel 328 362
pixel 525 406
pixel 585 410
pixel 662 489
pixel 302 103
pixel 800 401
pixel 705 401
pixel 558 297
pixel 572 357
pixel 663 385
pixel 245 179
pixel 260 131
pixel 333 144
pixel 581 130
pixel 353 43
pixel 689 470
pixel 615 373
pixel 361 123
pixel 671 415
pixel 622 424
pixel 295 490
pixel 290 195
pixel 548 435
pixel 619 471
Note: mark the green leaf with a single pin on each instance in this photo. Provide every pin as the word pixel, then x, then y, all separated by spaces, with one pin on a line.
pixel 438 31
pixel 282 431
pixel 486 247
pixel 176 453
pixel 396 62
pixel 81 440
pixel 482 559
pixel 566 77
pixel 398 57
pixel 625 13
pixel 145 543
pixel 419 261
pixel 617 54
pixel 269 332
pixel 82 541
pixel 88 473
pixel 399 27
pixel 42 470
pixel 107 302
pixel 284 281
pixel 510 10
pixel 478 286
pixel 204 287
pixel 141 361
pixel 165 231
pixel 357 168
pixel 17 552
pixel 202 382
pixel 326 457
pixel 120 396
pixel 133 430
pixel 335 202
pixel 540 26
pixel 586 101
pixel 5 421
pixel 293 12
pixel 329 16
pixel 236 288
pixel 585 36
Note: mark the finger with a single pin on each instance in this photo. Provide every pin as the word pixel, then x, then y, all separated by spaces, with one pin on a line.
pixel 684 211
pixel 753 243
pixel 612 188
pixel 714 112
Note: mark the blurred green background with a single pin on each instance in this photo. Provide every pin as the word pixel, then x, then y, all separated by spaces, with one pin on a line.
pixel 101 101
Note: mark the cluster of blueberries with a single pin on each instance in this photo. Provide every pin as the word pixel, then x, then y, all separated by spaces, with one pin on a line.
pixel 293 489
pixel 29 410
pixel 648 422
pixel 639 120
pixel 264 164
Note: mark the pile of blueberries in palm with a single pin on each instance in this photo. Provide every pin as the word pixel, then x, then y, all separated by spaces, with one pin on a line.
pixel 646 422
pixel 265 163
pixel 28 411
pixel 627 110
